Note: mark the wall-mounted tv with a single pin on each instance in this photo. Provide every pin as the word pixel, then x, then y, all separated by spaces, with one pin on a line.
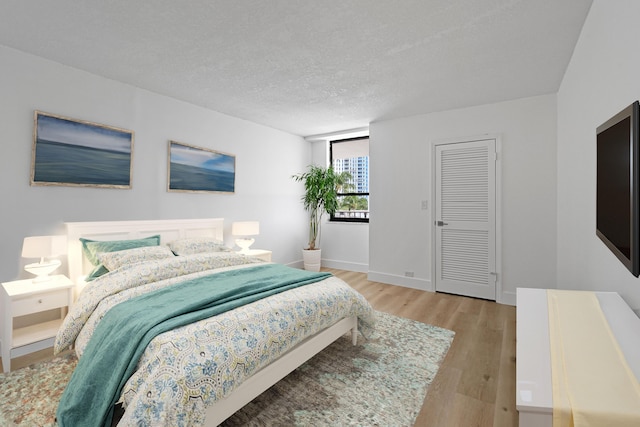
pixel 617 210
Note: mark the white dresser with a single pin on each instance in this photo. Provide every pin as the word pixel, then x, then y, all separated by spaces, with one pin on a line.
pixel 534 397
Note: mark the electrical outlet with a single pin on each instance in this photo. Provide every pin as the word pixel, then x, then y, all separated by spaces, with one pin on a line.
pixel 425 205
pixel 408 273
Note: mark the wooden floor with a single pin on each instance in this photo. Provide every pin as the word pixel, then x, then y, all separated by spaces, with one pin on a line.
pixel 475 386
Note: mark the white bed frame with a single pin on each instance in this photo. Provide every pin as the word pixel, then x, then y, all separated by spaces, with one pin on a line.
pixel 170 230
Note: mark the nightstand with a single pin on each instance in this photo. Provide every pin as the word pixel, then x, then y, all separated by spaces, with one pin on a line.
pixel 263 254
pixel 22 297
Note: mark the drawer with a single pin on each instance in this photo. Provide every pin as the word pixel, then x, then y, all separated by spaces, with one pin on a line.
pixel 40 302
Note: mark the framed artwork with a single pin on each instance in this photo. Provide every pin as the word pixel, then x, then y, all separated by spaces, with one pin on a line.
pixel 79 153
pixel 196 169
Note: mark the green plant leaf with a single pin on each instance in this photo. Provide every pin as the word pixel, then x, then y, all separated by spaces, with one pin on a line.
pixel 320 196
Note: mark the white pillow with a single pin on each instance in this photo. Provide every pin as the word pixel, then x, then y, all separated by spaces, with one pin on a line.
pixel 197 245
pixel 114 260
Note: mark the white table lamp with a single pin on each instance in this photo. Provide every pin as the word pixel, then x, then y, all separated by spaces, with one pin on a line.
pixel 43 247
pixel 244 230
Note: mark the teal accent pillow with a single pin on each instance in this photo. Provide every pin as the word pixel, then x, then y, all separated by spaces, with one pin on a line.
pixel 96 272
pixel 91 249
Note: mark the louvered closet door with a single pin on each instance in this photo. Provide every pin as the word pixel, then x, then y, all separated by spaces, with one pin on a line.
pixel 465 227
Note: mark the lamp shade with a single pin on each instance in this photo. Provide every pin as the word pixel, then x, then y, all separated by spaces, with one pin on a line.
pixel 43 246
pixel 245 228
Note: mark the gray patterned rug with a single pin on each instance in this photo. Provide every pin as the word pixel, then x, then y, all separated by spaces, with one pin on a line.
pixel 380 382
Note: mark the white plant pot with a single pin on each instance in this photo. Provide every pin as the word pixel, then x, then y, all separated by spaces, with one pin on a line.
pixel 311 259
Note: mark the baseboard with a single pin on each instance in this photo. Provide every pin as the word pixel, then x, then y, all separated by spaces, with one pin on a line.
pixel 508 298
pixel 339 265
pixel 342 265
pixel 407 282
pixel 296 264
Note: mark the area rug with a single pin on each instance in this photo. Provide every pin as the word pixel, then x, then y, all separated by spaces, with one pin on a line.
pixel 382 381
pixel 30 396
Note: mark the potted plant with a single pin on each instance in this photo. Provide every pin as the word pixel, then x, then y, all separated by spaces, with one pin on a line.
pixel 320 196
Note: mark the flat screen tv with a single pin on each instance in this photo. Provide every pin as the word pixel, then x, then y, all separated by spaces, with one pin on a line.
pixel 617 211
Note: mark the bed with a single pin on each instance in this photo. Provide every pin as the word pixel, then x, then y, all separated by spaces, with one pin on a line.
pixel 239 375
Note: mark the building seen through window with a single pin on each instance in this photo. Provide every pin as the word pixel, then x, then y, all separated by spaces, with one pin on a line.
pixel 350 161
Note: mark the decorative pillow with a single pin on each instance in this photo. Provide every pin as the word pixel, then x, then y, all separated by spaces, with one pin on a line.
pixel 98 271
pixel 91 249
pixel 197 245
pixel 115 260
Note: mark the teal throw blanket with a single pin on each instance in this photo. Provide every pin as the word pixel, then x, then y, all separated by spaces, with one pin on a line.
pixel 121 337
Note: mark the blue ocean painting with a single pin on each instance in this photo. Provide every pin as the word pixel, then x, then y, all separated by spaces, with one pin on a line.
pixel 75 153
pixel 196 169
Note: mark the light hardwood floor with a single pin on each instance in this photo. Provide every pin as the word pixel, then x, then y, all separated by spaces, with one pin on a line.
pixel 475 386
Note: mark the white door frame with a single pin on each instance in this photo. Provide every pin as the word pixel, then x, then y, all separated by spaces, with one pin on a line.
pixel 499 296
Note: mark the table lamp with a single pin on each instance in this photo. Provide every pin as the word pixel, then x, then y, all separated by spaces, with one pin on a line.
pixel 43 247
pixel 244 230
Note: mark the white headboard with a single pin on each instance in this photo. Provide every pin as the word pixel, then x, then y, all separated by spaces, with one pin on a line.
pixel 168 230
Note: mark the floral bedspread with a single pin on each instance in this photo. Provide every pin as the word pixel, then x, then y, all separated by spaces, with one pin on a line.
pixel 184 370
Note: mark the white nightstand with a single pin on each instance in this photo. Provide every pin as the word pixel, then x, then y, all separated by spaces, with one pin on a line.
pixel 22 297
pixel 263 254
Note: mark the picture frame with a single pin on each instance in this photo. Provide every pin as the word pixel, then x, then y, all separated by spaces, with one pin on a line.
pixel 78 153
pixel 199 170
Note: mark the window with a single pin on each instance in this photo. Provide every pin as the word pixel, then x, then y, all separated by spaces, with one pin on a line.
pixel 350 160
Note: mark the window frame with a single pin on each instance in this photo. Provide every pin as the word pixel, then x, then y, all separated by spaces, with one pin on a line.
pixel 333 218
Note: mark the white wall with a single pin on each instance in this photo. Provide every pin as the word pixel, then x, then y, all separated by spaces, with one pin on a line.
pixel 265 160
pixel 400 231
pixel 603 77
pixel 345 246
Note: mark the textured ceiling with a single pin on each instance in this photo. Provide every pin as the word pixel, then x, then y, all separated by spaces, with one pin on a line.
pixel 309 67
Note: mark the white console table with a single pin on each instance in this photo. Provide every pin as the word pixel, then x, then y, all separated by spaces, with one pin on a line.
pixel 534 397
